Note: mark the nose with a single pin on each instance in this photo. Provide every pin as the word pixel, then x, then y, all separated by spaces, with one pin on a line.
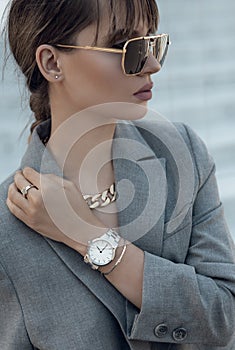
pixel 152 65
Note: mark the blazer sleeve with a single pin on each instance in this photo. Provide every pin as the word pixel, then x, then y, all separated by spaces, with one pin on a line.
pixel 192 302
pixel 13 335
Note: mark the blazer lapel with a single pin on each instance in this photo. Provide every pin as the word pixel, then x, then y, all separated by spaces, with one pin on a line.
pixel 141 187
pixel 37 155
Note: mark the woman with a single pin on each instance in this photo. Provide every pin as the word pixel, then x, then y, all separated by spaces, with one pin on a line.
pixel 145 264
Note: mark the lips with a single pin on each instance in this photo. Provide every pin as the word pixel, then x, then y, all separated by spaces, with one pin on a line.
pixel 145 92
pixel 145 88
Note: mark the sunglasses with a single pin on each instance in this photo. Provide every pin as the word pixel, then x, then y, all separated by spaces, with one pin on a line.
pixel 135 51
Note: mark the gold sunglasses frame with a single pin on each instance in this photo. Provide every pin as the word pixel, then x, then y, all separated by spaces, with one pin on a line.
pixel 151 44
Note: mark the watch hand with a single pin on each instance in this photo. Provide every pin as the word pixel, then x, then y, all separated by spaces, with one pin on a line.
pixel 99 249
pixel 104 247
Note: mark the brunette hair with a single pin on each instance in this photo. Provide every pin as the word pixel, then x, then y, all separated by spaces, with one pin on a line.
pixel 31 23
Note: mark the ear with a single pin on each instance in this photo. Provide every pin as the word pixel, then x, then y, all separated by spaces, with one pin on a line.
pixel 47 58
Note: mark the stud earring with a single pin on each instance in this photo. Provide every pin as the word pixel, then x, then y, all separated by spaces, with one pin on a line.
pixel 57 76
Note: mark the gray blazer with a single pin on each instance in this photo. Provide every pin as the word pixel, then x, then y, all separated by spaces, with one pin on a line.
pixel 168 203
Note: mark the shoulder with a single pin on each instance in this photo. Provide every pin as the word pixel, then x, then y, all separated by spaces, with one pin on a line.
pixel 166 130
pixel 174 138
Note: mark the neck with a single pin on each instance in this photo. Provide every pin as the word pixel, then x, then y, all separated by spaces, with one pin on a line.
pixel 82 147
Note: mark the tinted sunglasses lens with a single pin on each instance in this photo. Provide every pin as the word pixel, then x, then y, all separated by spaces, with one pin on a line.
pixel 161 49
pixel 136 56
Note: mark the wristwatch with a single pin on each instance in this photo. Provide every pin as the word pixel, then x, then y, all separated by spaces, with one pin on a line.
pixel 101 251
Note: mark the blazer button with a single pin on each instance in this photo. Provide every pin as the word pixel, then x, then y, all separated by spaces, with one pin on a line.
pixel 179 334
pixel 161 330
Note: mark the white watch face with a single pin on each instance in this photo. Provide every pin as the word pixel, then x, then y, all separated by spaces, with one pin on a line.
pixel 101 252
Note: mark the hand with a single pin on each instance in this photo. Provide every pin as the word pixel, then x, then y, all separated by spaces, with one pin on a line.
pixel 55 209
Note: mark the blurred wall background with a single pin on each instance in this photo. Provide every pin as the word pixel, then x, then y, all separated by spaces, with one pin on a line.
pixel 196 86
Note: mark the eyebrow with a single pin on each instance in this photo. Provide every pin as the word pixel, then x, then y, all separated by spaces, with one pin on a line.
pixel 121 35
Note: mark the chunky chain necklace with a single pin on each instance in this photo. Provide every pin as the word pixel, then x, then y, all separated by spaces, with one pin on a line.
pixel 101 199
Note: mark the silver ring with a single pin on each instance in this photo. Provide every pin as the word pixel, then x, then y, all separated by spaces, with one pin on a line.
pixel 25 190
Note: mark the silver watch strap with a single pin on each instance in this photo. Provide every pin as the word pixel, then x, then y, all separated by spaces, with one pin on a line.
pixel 112 236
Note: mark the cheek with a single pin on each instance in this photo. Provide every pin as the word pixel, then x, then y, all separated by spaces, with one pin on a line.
pixel 102 70
pixel 99 73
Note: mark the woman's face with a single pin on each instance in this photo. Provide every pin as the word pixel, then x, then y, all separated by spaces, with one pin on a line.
pixel 93 77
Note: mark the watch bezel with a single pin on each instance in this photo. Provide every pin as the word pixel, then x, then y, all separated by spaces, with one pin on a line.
pixel 94 241
pixel 112 238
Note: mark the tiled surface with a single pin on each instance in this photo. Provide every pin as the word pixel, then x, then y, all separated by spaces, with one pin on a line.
pixel 197 86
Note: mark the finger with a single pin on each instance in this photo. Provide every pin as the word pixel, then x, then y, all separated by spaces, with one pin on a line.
pixel 17 212
pixel 32 176
pixel 40 180
pixel 17 198
pixel 21 182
